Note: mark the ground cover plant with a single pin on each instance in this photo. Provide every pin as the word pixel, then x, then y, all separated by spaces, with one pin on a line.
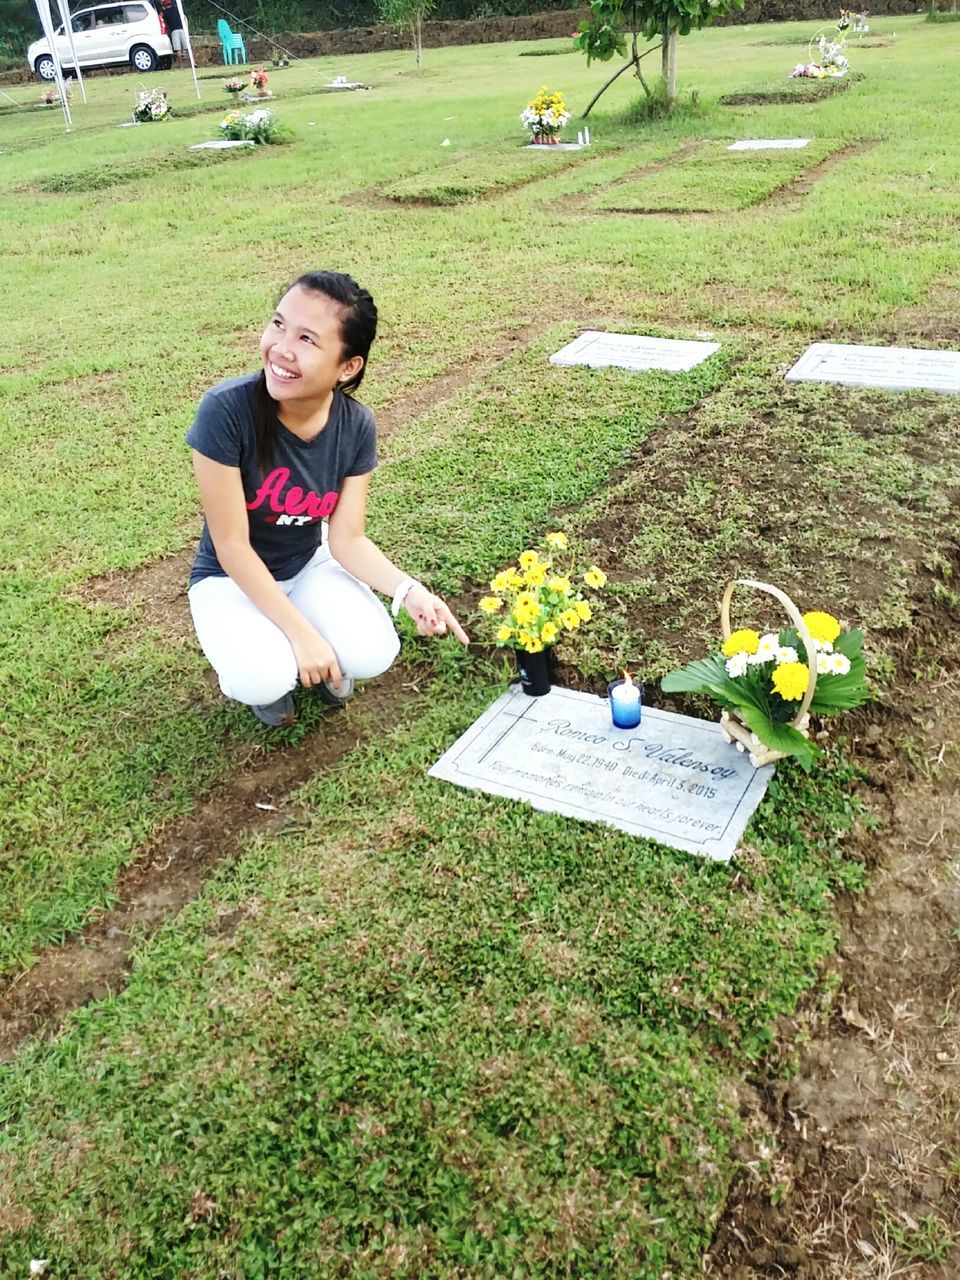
pixel 415 1031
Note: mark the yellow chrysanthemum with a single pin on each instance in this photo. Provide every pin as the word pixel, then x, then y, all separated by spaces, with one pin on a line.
pixel 535 577
pixel 526 615
pixel 595 577
pixel 560 584
pixel 822 626
pixel 535 646
pixel 526 599
pixel 790 680
pixel 527 559
pixel 504 634
pixel 584 610
pixel 557 540
pixel 745 641
pixel 514 579
pixel 549 632
pixel 501 581
pixel 525 638
pixel 490 604
pixel 570 619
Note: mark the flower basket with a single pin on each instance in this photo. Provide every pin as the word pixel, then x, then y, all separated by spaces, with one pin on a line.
pixel 731 722
pixel 767 689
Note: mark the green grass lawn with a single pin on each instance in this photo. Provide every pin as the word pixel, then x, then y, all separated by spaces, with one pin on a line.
pixel 421 1032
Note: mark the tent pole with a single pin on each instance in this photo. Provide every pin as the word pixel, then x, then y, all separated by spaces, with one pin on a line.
pixel 68 29
pixel 46 21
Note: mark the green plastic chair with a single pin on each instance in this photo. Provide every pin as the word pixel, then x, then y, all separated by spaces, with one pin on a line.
pixel 231 44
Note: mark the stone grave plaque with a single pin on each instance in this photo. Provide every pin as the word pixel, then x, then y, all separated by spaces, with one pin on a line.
pixel 627 351
pixel 884 368
pixel 221 144
pixel 672 779
pixel 769 144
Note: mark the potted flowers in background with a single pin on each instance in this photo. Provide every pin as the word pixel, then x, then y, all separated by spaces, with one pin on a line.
pixel 151 104
pixel 50 95
pixel 765 689
pixel 234 86
pixel 535 602
pixel 259 81
pixel 545 115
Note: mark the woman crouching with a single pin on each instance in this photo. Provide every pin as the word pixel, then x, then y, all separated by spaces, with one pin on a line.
pixel 276 454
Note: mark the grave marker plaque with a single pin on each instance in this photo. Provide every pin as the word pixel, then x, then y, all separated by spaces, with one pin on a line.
pixel 769 144
pixel 672 779
pixel 883 368
pixel 628 351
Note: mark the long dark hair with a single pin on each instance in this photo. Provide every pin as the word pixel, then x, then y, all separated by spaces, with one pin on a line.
pixel 358 328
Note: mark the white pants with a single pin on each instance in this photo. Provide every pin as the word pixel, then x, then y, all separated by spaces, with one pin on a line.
pixel 252 656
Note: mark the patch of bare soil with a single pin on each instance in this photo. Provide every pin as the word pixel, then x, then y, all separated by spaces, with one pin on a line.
pixel 817 90
pixel 852 1167
pixel 170 871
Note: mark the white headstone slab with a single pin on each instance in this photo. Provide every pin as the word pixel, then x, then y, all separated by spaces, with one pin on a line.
pixel 672 779
pixel 885 368
pixel 222 144
pixel 556 146
pixel 769 144
pixel 628 351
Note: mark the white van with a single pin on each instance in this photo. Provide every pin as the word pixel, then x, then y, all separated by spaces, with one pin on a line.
pixel 133 34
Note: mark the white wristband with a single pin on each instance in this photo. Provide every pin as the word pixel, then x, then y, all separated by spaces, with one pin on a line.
pixel 401 593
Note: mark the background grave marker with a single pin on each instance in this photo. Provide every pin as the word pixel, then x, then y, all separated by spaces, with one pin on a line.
pixel 883 368
pixel 629 351
pixel 672 779
pixel 769 144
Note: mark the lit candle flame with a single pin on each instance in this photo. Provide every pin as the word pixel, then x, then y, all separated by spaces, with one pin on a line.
pixel 627 679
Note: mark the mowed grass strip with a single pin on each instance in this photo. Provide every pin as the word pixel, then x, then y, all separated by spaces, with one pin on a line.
pixel 715 180
pixel 427 1033
pixel 478 175
pixel 110 730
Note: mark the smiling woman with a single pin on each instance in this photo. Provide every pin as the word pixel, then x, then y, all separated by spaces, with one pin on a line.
pixel 276 454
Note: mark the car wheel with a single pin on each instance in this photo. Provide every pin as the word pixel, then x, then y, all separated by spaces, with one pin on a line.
pixel 165 63
pixel 44 67
pixel 142 58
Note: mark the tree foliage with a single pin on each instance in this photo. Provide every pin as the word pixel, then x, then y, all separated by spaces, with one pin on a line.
pixel 603 35
pixel 408 14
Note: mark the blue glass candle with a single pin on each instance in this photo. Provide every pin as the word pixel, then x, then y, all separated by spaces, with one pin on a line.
pixel 624 698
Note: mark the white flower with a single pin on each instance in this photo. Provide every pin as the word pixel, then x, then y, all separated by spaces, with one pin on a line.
pixel 38 1266
pixel 823 646
pixel 839 664
pixel 824 666
pixel 766 649
pixel 787 654
pixel 737 665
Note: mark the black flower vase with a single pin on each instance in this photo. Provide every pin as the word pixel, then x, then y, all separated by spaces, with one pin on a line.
pixel 534 670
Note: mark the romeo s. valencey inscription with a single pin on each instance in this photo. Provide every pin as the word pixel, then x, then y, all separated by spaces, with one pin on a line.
pixel 672 779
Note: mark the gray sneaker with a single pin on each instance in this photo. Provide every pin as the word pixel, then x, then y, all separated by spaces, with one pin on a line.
pixel 277 714
pixel 335 695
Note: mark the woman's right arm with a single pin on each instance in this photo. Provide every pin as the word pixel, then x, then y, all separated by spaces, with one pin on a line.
pixel 221 492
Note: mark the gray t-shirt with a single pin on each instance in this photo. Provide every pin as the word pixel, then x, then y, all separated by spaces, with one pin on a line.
pixel 287 505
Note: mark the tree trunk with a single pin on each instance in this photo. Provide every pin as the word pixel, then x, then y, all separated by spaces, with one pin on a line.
pixel 670 50
pixel 418 39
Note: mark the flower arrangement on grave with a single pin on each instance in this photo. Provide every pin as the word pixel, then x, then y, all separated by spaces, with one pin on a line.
pixel 857 22
pixel 151 104
pixel 234 86
pixel 545 115
pixel 830 60
pixel 50 94
pixel 765 689
pixel 259 126
pixel 259 81
pixel 540 598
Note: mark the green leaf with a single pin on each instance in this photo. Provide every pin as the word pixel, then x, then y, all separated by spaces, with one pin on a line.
pixel 781 737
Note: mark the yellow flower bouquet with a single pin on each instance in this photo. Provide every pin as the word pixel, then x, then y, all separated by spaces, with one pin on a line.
pixel 538 599
pixel 763 683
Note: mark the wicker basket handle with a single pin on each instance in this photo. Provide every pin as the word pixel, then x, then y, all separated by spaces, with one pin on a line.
pixel 793 613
